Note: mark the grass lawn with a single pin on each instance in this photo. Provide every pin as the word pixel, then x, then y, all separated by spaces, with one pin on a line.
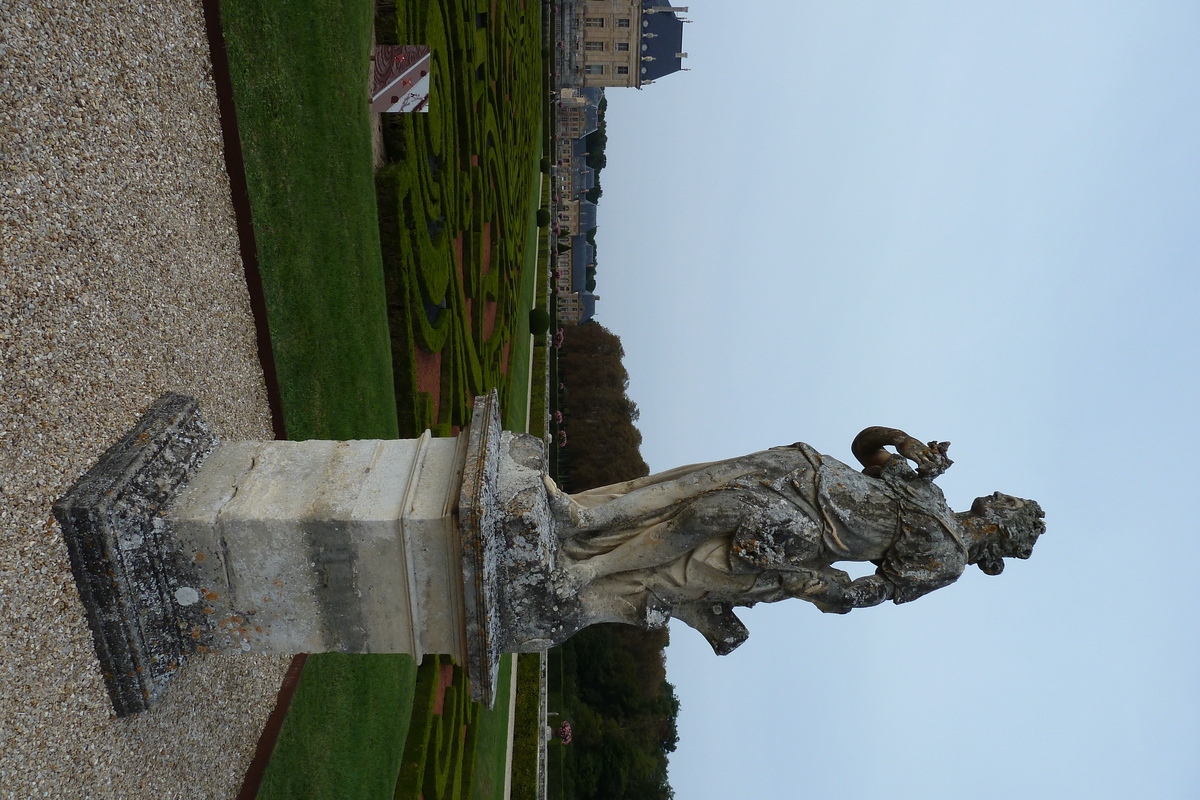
pixel 491 747
pixel 538 384
pixel 339 737
pixel 515 411
pixel 299 70
pixel 528 728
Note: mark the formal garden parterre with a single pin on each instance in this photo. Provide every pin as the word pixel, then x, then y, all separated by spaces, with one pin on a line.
pixel 454 209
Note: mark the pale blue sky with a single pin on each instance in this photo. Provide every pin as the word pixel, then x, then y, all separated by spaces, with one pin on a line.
pixel 977 222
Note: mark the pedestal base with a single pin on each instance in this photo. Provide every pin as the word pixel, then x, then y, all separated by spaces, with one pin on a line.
pixel 121 554
pixel 511 546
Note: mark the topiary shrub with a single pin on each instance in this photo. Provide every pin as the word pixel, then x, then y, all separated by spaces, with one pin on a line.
pixel 539 321
pixel 545 166
pixel 543 217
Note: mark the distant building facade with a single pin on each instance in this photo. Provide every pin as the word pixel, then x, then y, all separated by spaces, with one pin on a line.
pixel 578 111
pixel 576 216
pixel 577 307
pixel 576 303
pixel 578 177
pixel 627 42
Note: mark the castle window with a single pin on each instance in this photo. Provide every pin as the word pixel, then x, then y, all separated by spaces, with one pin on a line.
pixel 594 46
pixel 623 47
pixel 623 23
pixel 622 70
pixel 593 69
pixel 593 22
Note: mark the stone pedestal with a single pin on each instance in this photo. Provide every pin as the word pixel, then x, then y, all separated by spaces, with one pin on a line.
pixel 182 545
pixel 307 547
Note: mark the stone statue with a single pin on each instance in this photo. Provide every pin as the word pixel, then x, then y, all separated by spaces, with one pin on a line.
pixel 183 545
pixel 693 542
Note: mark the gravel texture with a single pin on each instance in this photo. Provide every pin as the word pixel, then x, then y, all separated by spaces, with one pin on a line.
pixel 120 279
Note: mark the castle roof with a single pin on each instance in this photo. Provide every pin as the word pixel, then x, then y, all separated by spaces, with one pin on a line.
pixel 591 118
pixel 587 215
pixel 588 301
pixel 664 43
pixel 582 257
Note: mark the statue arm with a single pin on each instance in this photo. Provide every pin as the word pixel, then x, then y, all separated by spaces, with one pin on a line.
pixel 864 592
pixel 834 593
pixel 868 448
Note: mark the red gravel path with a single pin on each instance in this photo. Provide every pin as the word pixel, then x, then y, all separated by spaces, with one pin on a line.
pixel 445 678
pixel 429 373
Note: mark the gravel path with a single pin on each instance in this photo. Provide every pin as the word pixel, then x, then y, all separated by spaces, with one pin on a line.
pixel 119 280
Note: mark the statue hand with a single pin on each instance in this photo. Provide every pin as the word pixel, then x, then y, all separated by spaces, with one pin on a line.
pixel 826 589
pixel 931 458
pixel 826 608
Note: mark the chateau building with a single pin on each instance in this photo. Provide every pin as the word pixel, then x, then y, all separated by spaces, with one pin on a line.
pixel 578 111
pixel 573 266
pixel 628 42
pixel 573 176
pixel 576 307
pixel 576 216
pixel 575 303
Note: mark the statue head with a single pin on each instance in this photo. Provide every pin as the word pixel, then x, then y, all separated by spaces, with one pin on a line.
pixel 1004 527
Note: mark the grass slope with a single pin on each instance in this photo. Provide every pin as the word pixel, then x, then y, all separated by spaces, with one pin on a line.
pixel 299 70
pixel 491 747
pixel 516 411
pixel 339 739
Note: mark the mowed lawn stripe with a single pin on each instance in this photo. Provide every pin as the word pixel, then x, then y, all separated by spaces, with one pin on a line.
pixel 299 72
pixel 516 416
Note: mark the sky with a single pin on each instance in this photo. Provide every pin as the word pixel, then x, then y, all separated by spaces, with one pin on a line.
pixel 977 222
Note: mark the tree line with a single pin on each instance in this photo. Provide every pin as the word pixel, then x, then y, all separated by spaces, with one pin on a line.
pixel 599 417
pixel 622 708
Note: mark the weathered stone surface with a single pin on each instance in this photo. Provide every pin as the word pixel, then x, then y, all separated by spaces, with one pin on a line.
pixel 510 544
pixel 322 546
pixel 267 547
pixel 478 508
pixel 126 569
pixel 533 617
